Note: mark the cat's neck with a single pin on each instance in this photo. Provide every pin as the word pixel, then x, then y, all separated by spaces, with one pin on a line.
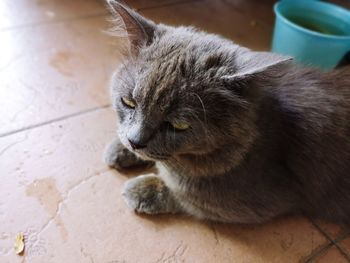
pixel 219 161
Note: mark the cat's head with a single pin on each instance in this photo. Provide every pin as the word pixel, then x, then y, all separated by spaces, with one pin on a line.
pixel 181 91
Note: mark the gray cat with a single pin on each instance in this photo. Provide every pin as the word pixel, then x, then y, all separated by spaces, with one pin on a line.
pixel 242 136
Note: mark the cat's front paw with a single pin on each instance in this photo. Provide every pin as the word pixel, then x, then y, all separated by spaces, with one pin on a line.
pixel 148 194
pixel 119 157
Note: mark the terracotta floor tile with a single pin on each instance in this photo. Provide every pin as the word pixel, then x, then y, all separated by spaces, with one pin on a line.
pixel 338 234
pixel 331 256
pixel 285 240
pixel 68 204
pixel 39 168
pixel 28 12
pixel 221 17
pixel 345 246
pixel 334 231
pixel 49 71
pixel 330 229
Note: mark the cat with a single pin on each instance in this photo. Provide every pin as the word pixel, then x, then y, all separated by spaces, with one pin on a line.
pixel 240 136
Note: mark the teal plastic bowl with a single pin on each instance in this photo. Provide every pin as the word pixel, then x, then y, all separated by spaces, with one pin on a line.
pixel 313 32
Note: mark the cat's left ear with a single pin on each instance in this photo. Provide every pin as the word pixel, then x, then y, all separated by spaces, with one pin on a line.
pixel 249 63
pixel 140 31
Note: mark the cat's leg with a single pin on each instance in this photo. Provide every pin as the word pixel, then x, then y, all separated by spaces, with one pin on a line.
pixel 148 194
pixel 116 155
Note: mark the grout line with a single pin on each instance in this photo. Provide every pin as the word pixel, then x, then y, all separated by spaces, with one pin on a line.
pixel 33 126
pixel 340 238
pixel 317 253
pixel 50 22
pixel 181 2
pixel 335 241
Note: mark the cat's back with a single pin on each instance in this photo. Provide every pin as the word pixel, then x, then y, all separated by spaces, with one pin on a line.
pixel 316 102
pixel 316 109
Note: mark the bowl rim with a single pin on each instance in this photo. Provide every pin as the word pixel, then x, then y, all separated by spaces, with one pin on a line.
pixel 280 16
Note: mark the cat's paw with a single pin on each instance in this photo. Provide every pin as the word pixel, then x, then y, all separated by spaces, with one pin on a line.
pixel 148 194
pixel 119 157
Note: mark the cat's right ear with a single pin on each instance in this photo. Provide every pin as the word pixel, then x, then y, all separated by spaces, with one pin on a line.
pixel 139 30
pixel 250 63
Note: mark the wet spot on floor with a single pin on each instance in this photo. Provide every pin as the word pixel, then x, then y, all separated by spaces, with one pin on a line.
pixel 46 192
pixel 62 61
pixel 63 231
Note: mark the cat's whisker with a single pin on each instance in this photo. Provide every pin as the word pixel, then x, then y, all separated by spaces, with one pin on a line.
pixel 174 139
pixel 204 113
pixel 204 127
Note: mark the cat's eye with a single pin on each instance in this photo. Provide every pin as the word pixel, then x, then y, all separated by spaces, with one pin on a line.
pixel 180 126
pixel 128 102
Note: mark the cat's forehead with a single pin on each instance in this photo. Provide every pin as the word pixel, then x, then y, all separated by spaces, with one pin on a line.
pixel 158 79
pixel 155 88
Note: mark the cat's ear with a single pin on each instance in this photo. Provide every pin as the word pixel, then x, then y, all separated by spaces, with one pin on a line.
pixel 249 63
pixel 138 29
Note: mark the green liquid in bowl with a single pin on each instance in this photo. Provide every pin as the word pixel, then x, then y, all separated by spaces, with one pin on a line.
pixel 318 26
pixel 318 22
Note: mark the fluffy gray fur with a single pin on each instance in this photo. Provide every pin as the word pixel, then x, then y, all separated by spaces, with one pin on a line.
pixel 266 137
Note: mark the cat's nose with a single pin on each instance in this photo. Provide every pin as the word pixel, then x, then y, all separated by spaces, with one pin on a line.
pixel 136 145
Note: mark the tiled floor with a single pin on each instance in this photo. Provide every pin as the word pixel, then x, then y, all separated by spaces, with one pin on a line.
pixel 55 62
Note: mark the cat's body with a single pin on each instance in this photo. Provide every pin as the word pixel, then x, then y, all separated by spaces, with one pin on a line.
pixel 299 162
pixel 258 137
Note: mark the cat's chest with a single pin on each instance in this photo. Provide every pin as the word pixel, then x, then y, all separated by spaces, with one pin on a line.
pixel 174 179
